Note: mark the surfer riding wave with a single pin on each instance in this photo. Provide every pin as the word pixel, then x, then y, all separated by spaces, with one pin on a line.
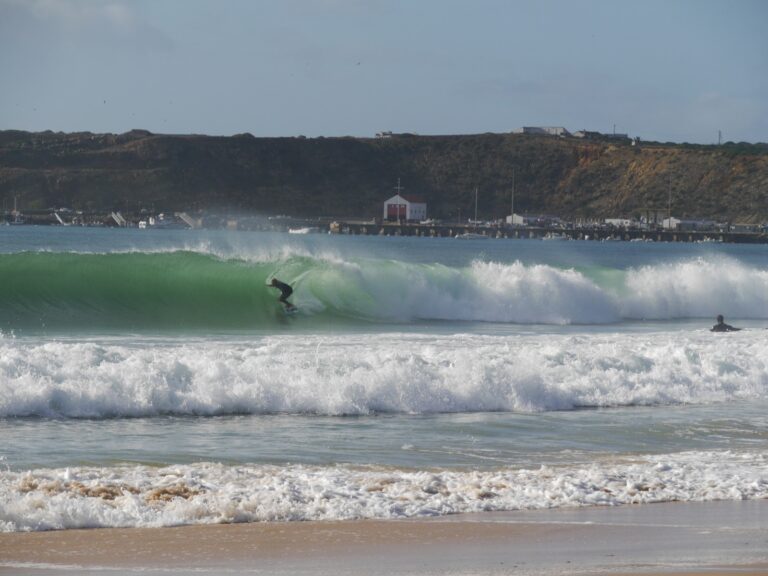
pixel 285 293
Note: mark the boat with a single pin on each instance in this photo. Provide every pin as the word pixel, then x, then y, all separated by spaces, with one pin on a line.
pixel 554 236
pixel 472 235
pixel 61 220
pixel 304 230
pixel 18 218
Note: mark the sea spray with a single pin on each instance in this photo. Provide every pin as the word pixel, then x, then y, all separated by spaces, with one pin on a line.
pixel 696 288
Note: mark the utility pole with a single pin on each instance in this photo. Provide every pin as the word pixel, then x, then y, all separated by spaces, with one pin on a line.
pixel 399 206
pixel 512 207
pixel 669 203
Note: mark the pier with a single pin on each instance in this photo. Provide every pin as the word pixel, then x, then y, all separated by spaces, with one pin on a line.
pixel 452 230
pixel 377 227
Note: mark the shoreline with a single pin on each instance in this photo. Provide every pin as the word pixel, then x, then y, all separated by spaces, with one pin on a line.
pixel 727 537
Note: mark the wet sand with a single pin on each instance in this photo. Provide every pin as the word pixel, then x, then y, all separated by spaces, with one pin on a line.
pixel 691 538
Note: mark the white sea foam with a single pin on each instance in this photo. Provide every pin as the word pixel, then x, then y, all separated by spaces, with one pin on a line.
pixel 361 374
pixel 136 496
pixel 533 294
pixel 696 288
pixel 522 293
pixel 488 292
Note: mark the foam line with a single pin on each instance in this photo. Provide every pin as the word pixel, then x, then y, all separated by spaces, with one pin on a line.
pixel 205 493
pixel 364 374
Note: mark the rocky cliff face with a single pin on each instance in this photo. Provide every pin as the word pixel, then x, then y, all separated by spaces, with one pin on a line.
pixel 352 176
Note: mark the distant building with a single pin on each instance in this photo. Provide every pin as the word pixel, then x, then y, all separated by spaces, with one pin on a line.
pixel 409 208
pixel 588 135
pixel 536 220
pixel 673 223
pixel 390 134
pixel 670 223
pixel 542 130
pixel 517 220
pixel 564 133
pixel 619 222
pixel 742 228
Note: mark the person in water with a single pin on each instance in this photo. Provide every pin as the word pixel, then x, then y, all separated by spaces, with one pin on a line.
pixel 721 326
pixel 285 293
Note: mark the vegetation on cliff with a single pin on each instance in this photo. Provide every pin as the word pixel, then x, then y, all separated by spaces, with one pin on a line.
pixel 353 176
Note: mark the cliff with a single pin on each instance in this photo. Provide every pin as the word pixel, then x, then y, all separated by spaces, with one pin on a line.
pixel 353 176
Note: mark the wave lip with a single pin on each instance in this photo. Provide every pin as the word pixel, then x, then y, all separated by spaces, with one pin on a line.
pixel 367 374
pixel 140 496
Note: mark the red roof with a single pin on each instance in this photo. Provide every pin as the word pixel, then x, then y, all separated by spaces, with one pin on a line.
pixel 411 199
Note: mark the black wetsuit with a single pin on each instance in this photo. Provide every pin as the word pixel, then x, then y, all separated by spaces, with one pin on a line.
pixel 723 327
pixel 285 291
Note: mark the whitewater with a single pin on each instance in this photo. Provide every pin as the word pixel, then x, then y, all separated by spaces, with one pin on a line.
pixel 151 378
pixel 379 374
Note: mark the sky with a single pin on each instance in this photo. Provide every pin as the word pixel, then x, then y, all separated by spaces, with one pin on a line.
pixel 664 70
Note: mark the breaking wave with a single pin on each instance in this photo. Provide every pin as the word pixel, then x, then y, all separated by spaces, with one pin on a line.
pixel 381 373
pixel 182 290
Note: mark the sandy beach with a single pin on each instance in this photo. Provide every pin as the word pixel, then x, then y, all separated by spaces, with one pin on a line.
pixel 693 538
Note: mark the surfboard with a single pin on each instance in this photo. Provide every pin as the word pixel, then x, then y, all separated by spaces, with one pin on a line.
pixel 290 311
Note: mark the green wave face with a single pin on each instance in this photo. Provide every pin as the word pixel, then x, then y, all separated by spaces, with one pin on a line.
pixel 190 290
pixel 134 291
pixel 199 291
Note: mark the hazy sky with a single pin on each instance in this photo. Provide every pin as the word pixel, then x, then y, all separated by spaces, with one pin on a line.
pixel 676 70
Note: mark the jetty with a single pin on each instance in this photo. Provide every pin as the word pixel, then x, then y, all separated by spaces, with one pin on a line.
pixel 379 227
pixel 574 232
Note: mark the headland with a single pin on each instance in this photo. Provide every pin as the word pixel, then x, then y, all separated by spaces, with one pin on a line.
pixel 581 180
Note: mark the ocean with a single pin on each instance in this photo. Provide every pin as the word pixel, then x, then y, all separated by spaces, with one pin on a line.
pixel 150 378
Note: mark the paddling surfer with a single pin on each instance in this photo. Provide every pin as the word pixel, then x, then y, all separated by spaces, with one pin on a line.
pixel 721 326
pixel 285 293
